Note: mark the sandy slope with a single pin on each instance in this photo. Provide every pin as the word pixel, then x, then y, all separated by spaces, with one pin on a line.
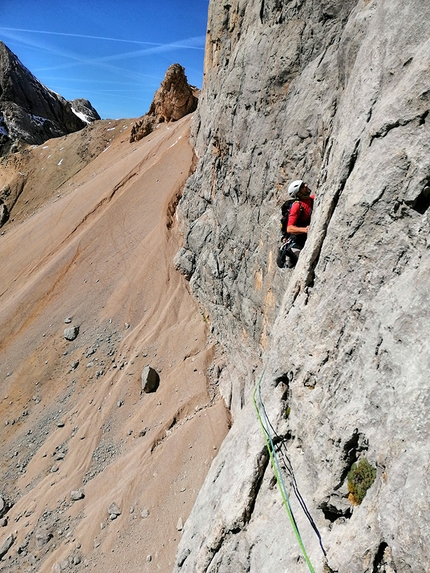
pixel 99 251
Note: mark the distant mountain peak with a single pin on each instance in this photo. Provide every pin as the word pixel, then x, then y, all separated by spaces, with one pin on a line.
pixel 84 110
pixel 31 113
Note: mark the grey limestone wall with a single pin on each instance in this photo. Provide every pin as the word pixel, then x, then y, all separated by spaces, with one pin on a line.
pixel 337 93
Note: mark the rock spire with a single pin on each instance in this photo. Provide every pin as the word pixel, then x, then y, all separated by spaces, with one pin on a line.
pixel 174 99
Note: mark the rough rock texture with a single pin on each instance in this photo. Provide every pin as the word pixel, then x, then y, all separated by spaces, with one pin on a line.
pixel 29 111
pixel 7 544
pixel 83 109
pixel 71 333
pixel 174 99
pixel 4 214
pixel 150 380
pixel 336 93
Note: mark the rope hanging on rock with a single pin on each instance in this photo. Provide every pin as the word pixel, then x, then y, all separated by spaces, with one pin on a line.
pixel 265 427
pixel 282 449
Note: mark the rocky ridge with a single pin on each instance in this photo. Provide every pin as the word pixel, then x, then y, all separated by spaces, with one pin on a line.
pixel 335 93
pixel 25 184
pixel 30 113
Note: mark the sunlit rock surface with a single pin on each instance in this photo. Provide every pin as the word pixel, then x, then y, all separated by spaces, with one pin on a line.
pixel 335 93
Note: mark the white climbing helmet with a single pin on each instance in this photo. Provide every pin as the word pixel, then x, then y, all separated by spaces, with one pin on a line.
pixel 294 187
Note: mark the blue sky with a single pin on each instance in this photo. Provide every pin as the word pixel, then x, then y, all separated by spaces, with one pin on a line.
pixel 112 52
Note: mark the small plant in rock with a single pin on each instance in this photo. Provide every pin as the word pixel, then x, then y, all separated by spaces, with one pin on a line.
pixel 360 477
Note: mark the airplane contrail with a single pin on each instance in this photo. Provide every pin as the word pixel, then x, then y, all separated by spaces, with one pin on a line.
pixel 158 44
pixel 193 43
pixel 110 63
pixel 80 36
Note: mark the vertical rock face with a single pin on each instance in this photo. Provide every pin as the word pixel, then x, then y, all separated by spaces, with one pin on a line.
pixel 30 112
pixel 335 93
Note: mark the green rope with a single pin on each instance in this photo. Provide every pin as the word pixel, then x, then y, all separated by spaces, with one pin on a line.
pixel 276 470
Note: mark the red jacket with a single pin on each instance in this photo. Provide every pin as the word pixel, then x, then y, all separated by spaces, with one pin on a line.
pixel 300 212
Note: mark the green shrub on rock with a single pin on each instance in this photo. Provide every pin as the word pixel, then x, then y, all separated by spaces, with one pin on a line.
pixel 360 477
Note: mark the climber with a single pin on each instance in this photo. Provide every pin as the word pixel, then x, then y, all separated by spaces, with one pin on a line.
pixel 296 217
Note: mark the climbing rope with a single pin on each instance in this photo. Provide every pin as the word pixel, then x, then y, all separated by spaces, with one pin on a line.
pixel 282 449
pixel 266 426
